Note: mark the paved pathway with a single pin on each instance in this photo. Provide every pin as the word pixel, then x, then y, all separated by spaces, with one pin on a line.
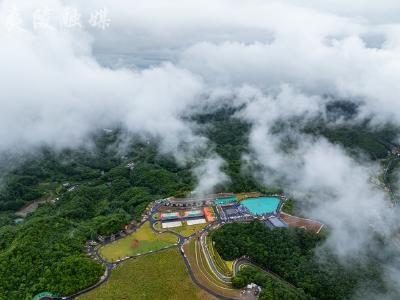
pixel 210 261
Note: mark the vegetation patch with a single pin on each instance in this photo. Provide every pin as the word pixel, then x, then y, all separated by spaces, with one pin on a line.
pixel 160 275
pixel 187 230
pixel 272 287
pixel 142 241
pixel 288 207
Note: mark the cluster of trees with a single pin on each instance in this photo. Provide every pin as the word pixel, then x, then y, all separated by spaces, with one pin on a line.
pixel 290 254
pixel 272 288
pixel 17 191
pixel 45 254
pixel 46 251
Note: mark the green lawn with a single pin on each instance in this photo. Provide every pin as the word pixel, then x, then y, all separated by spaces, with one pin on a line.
pixel 148 241
pixel 160 275
pixel 158 226
pixel 187 230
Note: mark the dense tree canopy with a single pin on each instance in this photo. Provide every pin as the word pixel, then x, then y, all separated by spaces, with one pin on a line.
pixel 290 254
pixel 97 194
pixel 272 288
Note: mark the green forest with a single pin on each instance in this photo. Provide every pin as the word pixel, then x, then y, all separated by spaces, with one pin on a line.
pixel 272 288
pixel 290 253
pixel 94 193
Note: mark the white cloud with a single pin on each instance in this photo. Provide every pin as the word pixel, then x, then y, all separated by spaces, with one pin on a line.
pixel 279 58
pixel 209 174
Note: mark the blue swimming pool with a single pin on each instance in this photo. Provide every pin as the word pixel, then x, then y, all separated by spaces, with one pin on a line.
pixel 261 205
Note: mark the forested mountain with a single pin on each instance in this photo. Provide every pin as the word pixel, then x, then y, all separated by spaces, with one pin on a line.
pixel 98 189
pixel 94 192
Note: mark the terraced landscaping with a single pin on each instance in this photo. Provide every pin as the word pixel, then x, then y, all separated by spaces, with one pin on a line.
pixel 203 273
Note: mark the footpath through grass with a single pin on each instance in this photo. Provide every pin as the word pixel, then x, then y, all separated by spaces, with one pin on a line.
pixel 160 275
pixel 142 241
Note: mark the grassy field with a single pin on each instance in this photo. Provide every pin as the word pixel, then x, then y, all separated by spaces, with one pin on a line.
pixel 229 264
pixel 187 230
pixel 148 240
pixel 158 226
pixel 203 273
pixel 160 275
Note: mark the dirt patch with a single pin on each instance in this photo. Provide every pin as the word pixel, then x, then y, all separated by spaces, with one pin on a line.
pixel 32 206
pixel 307 224
pixel 135 244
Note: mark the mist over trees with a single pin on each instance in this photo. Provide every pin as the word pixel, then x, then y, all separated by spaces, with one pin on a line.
pixel 286 96
pixel 108 194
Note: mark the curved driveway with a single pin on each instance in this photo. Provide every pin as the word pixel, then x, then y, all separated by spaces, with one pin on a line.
pixel 210 261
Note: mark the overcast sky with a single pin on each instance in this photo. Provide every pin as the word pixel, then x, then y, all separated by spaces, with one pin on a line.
pixel 62 76
pixel 185 49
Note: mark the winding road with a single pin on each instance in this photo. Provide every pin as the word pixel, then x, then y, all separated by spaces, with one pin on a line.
pixel 210 261
pixel 245 261
pixel 181 241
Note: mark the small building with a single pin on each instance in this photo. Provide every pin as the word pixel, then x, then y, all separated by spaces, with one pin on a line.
pixel 208 214
pixel 18 220
pixel 130 165
pixel 171 224
pixel 196 221
pixel 253 288
pixel 169 216
pixel 193 213
pixel 225 201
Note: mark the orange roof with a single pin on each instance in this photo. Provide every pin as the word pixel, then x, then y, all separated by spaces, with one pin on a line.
pixel 208 214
